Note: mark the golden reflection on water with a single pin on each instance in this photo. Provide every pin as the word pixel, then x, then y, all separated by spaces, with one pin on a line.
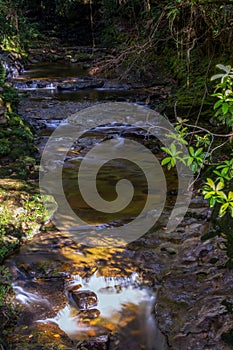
pixel 119 303
pixel 108 260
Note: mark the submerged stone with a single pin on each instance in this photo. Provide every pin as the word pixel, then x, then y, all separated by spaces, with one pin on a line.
pixel 97 343
pixel 87 315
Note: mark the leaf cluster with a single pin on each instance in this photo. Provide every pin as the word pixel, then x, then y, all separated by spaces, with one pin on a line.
pixel 200 147
pixel 224 92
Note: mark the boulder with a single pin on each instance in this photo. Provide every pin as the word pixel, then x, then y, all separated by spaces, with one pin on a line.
pixel 12 64
pixel 82 299
pixel 81 84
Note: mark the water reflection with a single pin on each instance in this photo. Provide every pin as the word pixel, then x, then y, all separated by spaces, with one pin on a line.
pixel 52 259
pixel 48 70
pixel 122 304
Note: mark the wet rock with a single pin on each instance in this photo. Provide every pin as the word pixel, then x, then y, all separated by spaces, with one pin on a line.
pixel 82 299
pixel 116 85
pixel 73 60
pixel 40 336
pixel 201 213
pixel 190 303
pixel 12 64
pixel 198 202
pixel 87 315
pixel 32 60
pixel 81 84
pixel 97 343
pixel 35 84
pixel 169 250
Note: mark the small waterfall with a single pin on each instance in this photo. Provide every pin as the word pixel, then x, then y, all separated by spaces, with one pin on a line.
pixel 123 305
pixel 11 70
pixel 153 338
pixel 32 85
pixel 27 298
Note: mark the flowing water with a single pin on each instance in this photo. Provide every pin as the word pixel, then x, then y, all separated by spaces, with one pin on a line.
pixel 46 76
pixel 84 292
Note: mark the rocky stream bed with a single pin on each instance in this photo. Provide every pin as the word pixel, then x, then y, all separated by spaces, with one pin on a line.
pixel 170 290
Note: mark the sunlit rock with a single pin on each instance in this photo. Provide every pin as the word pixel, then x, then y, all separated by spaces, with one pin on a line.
pixel 87 315
pixel 83 299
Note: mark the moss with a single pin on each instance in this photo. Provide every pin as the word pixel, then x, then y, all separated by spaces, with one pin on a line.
pixel 16 135
pixel 10 96
pixel 4 147
pixel 22 214
pixel 8 312
pixel 21 208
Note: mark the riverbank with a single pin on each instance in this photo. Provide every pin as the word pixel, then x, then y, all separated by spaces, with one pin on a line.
pixel 21 209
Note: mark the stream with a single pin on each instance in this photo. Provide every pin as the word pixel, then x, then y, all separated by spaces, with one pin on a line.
pixel 98 291
pixel 138 296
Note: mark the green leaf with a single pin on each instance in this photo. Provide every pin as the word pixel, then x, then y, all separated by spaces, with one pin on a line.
pixel 217 104
pixel 212 202
pixel 222 196
pixel 195 168
pixel 167 150
pixel 223 209
pixel 210 182
pixel 199 160
pixel 173 148
pixel 217 172
pixel 225 108
pixel 220 186
pixel 198 151
pixel 218 94
pixel 230 196
pixel 166 160
pixel 209 195
pixel 191 151
pixel 224 171
pixel 190 160
pixel 173 162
